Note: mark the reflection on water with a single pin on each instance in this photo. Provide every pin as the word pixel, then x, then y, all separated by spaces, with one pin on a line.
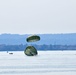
pixel 45 62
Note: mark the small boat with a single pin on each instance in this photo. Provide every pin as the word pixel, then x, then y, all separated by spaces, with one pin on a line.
pixel 10 53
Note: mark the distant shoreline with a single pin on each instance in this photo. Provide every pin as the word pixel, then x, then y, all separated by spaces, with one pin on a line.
pixel 43 47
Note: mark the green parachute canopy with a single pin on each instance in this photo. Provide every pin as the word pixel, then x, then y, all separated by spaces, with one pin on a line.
pixel 33 38
pixel 30 51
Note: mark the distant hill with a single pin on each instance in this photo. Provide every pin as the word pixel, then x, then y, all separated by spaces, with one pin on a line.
pixel 54 39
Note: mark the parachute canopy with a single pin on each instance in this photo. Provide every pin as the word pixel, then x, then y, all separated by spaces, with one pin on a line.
pixel 30 51
pixel 33 38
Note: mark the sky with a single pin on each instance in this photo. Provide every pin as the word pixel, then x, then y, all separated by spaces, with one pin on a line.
pixel 37 16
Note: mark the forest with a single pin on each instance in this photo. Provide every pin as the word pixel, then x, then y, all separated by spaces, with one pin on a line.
pixel 44 47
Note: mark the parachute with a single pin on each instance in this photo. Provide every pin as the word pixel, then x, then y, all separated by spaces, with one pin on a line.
pixel 30 51
pixel 33 38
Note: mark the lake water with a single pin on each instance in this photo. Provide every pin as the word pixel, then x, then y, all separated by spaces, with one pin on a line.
pixel 46 62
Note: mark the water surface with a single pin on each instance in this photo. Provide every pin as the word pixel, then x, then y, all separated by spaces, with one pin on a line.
pixel 46 62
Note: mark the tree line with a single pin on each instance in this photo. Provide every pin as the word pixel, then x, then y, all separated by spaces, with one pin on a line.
pixel 44 47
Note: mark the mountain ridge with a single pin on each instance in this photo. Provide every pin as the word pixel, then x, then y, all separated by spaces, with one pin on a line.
pixel 54 39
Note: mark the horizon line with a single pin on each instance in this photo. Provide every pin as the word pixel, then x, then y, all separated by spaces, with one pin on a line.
pixel 33 34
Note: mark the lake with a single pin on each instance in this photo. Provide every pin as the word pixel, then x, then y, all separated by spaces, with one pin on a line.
pixel 46 62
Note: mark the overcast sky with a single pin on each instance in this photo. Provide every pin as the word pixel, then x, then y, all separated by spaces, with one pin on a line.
pixel 37 16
